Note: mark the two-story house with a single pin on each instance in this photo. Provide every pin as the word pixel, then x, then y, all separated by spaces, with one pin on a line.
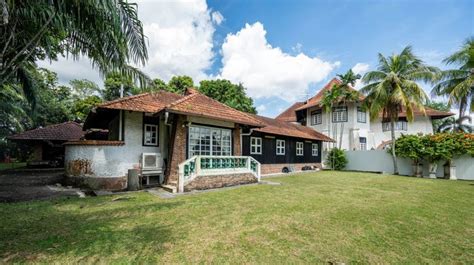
pixel 350 124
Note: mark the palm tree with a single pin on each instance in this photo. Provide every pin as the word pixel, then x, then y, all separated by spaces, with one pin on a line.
pixel 393 87
pixel 456 125
pixel 108 32
pixel 458 84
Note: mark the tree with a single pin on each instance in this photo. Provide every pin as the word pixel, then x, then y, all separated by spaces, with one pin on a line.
pixel 458 84
pixel 108 32
pixel 340 94
pixel 83 88
pixel 230 94
pixel 441 106
pixel 158 84
pixel 393 87
pixel 456 125
pixel 114 83
pixel 179 84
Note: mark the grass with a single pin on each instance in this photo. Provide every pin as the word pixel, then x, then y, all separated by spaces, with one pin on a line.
pixel 5 166
pixel 311 218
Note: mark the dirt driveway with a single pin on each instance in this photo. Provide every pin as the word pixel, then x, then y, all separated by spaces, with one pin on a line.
pixel 30 184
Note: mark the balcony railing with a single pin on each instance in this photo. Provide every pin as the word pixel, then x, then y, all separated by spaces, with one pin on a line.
pixel 216 165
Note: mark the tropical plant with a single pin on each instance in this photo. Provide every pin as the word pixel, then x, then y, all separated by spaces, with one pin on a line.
pixel 108 32
pixel 393 87
pixel 340 94
pixel 232 95
pixel 441 106
pixel 336 159
pixel 451 124
pixel 458 84
pixel 411 147
pixel 179 84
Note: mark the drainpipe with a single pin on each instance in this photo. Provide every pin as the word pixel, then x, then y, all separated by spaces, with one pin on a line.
pixel 120 125
pixel 244 134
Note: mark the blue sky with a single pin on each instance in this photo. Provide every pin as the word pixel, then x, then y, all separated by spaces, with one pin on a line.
pixel 284 51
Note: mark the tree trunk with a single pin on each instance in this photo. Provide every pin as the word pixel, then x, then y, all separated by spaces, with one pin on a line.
pixel 394 156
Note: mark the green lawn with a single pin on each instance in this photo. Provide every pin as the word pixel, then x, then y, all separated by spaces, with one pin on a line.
pixel 5 166
pixel 311 218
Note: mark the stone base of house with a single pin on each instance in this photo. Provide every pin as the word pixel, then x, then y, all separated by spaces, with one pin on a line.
pixel 219 181
pixel 98 183
pixel 278 168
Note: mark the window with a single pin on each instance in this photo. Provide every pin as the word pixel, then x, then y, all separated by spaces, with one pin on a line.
pixel 280 148
pixel 339 114
pixel 150 134
pixel 256 145
pixel 299 148
pixel 316 117
pixel 363 143
pixel 315 149
pixel 361 115
pixel 209 141
pixel 399 126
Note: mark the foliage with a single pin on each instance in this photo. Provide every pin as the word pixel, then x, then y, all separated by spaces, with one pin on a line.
pixel 83 88
pixel 112 86
pixel 179 84
pixel 452 124
pixel 441 106
pixel 336 159
pixel 230 94
pixel 458 84
pixel 108 32
pixel 393 87
pixel 410 146
pixel 82 107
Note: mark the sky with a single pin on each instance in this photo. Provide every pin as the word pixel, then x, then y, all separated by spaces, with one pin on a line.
pixel 285 51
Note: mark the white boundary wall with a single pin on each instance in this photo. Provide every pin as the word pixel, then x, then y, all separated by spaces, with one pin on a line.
pixel 381 161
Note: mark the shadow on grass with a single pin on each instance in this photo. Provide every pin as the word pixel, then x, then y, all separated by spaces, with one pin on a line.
pixel 86 232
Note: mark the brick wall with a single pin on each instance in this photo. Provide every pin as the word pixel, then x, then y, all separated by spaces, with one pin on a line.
pixel 213 182
pixel 236 141
pixel 178 148
pixel 277 168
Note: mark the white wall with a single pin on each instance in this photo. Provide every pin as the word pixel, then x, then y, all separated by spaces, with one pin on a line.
pixel 381 161
pixel 114 161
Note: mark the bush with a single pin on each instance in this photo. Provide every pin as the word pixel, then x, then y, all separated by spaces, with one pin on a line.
pixel 336 159
pixel 410 146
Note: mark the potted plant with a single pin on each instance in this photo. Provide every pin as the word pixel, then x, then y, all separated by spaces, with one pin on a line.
pixel 411 147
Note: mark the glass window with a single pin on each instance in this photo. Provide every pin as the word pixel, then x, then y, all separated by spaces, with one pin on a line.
pixel 255 145
pixel 299 148
pixel 209 141
pixel 315 149
pixel 150 134
pixel 280 147
pixel 399 126
pixel 339 114
pixel 316 117
pixel 361 115
pixel 363 143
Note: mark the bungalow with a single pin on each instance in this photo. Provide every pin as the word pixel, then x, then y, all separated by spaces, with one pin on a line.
pixel 185 142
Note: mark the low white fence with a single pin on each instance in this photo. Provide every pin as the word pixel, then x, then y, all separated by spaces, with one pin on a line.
pixel 381 161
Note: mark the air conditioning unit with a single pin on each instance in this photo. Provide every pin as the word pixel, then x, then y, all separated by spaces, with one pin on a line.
pixel 151 161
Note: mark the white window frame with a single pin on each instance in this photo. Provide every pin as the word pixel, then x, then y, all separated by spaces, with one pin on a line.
pixel 280 147
pixel 339 114
pixel 363 146
pixel 148 139
pixel 255 145
pixel 399 126
pixel 299 148
pixel 315 149
pixel 211 141
pixel 361 115
pixel 316 117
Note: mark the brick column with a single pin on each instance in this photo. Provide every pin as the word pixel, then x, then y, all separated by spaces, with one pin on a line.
pixel 178 148
pixel 236 141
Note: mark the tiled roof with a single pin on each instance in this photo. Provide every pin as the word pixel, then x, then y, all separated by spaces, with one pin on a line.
pixel 197 104
pixel 279 127
pixel 437 114
pixel 147 102
pixel 66 131
pixel 316 100
pixel 289 114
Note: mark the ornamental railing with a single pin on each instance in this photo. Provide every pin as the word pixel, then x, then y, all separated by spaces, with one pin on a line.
pixel 216 165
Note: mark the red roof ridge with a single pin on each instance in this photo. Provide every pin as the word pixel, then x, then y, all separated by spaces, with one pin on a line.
pixel 181 100
pixel 123 99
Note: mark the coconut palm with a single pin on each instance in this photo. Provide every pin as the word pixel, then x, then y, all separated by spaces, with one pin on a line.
pixel 456 125
pixel 458 84
pixel 393 87
pixel 108 32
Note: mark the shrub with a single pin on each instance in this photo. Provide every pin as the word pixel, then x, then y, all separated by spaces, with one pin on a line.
pixel 410 146
pixel 336 159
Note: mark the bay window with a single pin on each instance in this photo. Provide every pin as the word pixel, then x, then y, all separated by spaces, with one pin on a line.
pixel 209 141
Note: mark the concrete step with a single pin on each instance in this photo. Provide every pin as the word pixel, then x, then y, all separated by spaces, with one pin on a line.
pixel 170 188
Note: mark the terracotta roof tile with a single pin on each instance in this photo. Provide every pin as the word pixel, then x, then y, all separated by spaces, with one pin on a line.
pixel 279 127
pixel 289 114
pixel 429 112
pixel 147 102
pixel 197 104
pixel 66 131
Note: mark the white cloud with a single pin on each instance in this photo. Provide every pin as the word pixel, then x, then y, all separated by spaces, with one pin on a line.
pixel 261 108
pixel 217 17
pixel 297 48
pixel 360 68
pixel 267 71
pixel 68 69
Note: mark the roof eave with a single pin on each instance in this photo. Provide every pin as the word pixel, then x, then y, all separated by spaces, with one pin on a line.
pixel 214 118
